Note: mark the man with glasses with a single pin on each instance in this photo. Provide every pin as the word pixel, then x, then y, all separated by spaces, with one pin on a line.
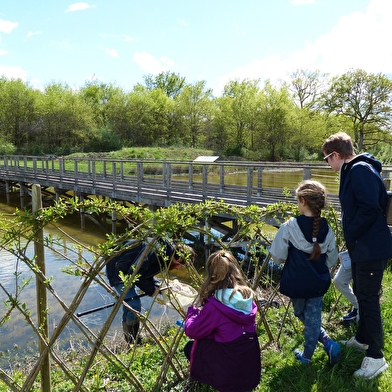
pixel 364 201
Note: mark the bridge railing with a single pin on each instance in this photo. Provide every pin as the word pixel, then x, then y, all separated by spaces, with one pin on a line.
pixel 165 182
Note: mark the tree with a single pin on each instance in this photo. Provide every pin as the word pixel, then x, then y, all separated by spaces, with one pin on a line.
pixel 169 82
pixel 141 117
pixel 18 111
pixel 238 105
pixel 195 108
pixel 274 108
pixel 366 100
pixel 67 122
pixel 306 87
pixel 97 95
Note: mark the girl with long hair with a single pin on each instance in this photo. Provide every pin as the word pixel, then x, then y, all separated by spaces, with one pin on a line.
pixel 225 352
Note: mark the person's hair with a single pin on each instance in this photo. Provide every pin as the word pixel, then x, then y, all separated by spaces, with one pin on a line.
pixel 339 142
pixel 222 272
pixel 314 193
pixel 182 254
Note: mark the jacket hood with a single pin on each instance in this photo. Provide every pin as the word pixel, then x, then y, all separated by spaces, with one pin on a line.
pixel 299 241
pixel 290 231
pixel 237 301
pixel 367 158
pixel 237 316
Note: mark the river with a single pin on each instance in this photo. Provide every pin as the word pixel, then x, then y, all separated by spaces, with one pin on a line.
pixel 16 336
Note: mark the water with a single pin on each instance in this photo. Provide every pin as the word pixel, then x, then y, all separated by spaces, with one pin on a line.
pixel 16 336
pixel 277 178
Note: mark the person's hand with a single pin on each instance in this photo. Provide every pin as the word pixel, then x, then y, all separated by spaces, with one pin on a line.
pixel 156 292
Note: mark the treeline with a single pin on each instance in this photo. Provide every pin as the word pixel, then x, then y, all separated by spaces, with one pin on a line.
pixel 260 122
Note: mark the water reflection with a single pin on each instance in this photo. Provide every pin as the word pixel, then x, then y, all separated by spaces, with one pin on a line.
pixel 277 178
pixel 16 333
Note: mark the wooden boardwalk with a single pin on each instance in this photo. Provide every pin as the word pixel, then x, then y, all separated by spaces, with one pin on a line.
pixel 159 183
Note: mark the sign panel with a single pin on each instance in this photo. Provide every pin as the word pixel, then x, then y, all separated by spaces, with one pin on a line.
pixel 206 158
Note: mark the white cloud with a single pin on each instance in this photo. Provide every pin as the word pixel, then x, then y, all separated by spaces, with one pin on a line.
pixel 79 7
pixel 182 22
pixel 150 64
pixel 64 45
pixel 127 38
pixel 7 26
pixel 167 61
pixel 30 33
pixel 2 52
pixel 112 52
pixel 13 72
pixel 358 41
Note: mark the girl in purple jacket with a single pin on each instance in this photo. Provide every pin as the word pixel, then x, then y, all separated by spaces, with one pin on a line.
pixel 225 352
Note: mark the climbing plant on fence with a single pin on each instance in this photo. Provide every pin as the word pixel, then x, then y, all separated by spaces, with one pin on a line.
pixel 173 223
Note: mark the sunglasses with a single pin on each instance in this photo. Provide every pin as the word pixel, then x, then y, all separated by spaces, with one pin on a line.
pixel 327 156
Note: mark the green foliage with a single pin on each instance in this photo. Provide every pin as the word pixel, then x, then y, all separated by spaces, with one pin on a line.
pixel 169 82
pixel 364 99
pixel 106 140
pixel 288 122
pixel 383 151
pixel 158 364
pixel 6 148
pixel 158 153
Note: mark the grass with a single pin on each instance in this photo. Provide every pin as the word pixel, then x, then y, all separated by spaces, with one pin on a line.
pixel 280 371
pixel 130 156
pixel 155 153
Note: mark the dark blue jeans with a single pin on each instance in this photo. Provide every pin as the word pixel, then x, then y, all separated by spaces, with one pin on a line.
pixel 128 317
pixel 367 279
pixel 308 310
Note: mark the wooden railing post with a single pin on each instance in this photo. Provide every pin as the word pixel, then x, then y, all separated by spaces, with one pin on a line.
pixel 114 176
pixel 42 300
pixel 307 173
pixel 205 180
pixel 76 174
pixel 259 180
pixel 249 185
pixel 167 179
pixel 221 178
pixel 93 172
pixel 139 180
pixel 190 174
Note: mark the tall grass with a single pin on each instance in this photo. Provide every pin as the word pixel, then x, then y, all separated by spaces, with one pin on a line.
pixel 280 371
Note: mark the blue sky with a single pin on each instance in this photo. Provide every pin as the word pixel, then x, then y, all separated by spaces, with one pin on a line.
pixel 119 41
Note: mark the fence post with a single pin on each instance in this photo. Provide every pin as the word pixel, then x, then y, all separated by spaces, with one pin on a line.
pixel 42 300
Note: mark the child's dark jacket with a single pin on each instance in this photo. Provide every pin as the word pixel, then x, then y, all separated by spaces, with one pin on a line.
pixel 226 351
pixel 302 277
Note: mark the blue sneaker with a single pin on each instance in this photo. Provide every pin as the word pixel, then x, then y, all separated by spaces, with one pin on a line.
pixel 333 350
pixel 300 358
pixel 351 317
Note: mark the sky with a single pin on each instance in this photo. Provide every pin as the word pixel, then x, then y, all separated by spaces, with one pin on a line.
pixel 121 41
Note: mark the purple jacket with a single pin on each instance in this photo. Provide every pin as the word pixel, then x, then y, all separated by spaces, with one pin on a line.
pixel 226 351
pixel 218 321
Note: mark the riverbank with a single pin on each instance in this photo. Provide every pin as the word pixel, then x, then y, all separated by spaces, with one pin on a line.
pixel 158 364
pixel 280 371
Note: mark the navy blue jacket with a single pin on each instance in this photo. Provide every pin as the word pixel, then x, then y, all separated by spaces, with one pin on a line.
pixel 151 266
pixel 364 200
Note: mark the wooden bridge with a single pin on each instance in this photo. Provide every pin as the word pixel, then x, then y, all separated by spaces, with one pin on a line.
pixel 161 183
